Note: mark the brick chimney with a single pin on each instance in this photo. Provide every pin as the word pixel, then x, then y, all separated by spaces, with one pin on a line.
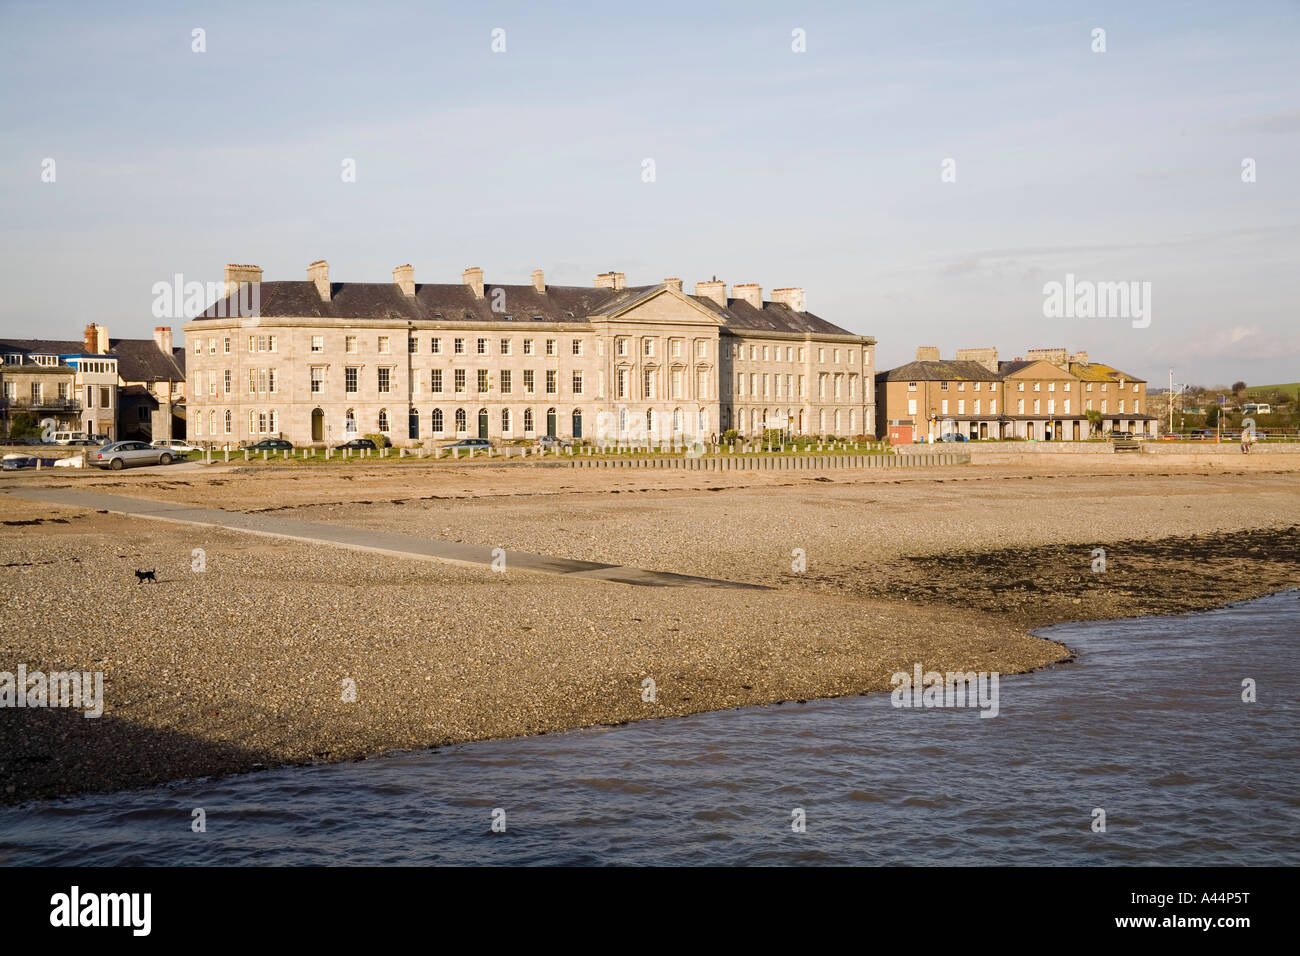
pixel 674 283
pixel 235 275
pixel 162 337
pixel 319 273
pixel 611 280
pixel 790 298
pixel 90 338
pixel 714 289
pixel 539 282
pixel 751 292
pixel 473 277
pixel 927 353
pixel 404 276
pixel 1080 357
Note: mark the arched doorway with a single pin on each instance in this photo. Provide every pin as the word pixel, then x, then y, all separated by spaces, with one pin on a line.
pixel 550 422
pixel 482 423
pixel 317 424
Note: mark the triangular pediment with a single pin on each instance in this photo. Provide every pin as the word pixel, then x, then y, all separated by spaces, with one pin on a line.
pixel 663 304
pixel 1041 368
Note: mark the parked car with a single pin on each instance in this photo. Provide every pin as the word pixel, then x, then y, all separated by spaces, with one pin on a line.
pixel 550 441
pixel 174 445
pixel 953 436
pixel 271 444
pixel 356 444
pixel 1121 435
pixel 69 438
pixel 85 443
pixel 122 454
pixel 471 444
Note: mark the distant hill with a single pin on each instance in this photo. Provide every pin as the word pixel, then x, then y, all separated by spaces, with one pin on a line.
pixel 1292 389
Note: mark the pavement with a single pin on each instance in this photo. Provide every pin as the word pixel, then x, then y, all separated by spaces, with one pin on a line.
pixel 363 539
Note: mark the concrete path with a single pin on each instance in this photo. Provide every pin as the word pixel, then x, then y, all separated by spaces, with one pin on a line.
pixel 364 539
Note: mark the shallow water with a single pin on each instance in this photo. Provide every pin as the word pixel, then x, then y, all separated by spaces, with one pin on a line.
pixel 1148 725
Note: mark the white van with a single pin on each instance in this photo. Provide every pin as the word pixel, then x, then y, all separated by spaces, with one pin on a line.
pixel 63 438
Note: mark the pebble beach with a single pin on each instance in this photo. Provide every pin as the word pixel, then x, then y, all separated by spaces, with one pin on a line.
pixel 248 663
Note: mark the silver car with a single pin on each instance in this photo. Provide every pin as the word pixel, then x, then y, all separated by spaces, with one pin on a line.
pixel 120 454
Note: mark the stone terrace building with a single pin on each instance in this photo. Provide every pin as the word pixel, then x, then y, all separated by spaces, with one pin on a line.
pixel 322 361
pixel 1045 395
pixel 38 384
pixel 119 388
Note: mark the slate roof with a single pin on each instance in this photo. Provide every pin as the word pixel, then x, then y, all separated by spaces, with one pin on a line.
pixel 939 371
pixel 773 317
pixel 140 360
pixel 42 346
pixel 456 303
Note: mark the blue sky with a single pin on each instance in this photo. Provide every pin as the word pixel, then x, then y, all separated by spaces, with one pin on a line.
pixel 819 169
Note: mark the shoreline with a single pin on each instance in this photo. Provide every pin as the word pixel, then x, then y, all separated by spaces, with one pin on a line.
pixel 238 669
pixel 1069 657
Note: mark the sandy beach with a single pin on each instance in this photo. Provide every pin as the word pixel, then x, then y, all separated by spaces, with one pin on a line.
pixel 244 665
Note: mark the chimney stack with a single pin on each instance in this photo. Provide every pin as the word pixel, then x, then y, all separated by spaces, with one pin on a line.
pixel 674 283
pixel 714 289
pixel 539 282
pixel 101 339
pixel 1080 357
pixel 473 277
pixel 987 357
pixel 611 280
pixel 90 339
pixel 319 273
pixel 751 292
pixel 236 275
pixel 162 337
pixel 927 353
pixel 1055 356
pixel 791 298
pixel 404 276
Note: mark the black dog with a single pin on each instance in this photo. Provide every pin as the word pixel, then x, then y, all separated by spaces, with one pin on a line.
pixel 143 576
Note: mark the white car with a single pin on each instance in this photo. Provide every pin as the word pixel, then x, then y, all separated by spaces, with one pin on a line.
pixel 174 445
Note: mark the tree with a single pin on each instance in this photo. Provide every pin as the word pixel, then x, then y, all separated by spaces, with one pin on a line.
pixel 1094 421
pixel 1238 388
pixel 1212 416
pixel 24 425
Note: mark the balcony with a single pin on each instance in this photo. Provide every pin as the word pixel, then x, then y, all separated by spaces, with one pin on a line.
pixel 65 406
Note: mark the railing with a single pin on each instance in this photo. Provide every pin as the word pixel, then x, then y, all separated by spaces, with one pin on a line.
pixel 42 405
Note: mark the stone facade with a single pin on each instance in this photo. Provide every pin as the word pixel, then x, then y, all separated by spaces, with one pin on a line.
pixel 1045 396
pixel 321 362
pixel 45 392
